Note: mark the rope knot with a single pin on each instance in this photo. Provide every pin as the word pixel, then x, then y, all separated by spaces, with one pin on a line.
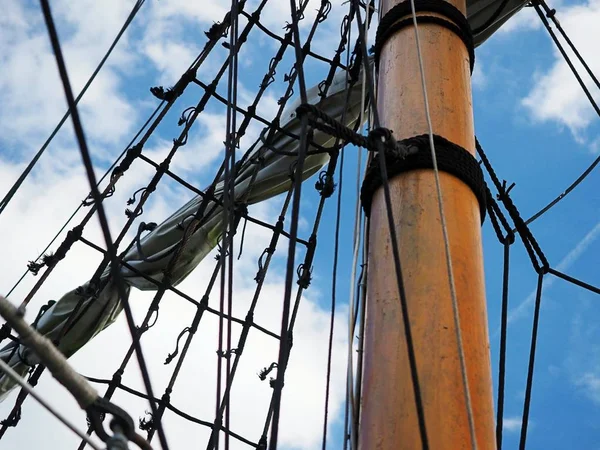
pixel 132 153
pixel 325 184
pixel 266 371
pixel 304 276
pixel 385 137
pixel 170 356
pixel 51 260
pixel 146 423
pixel 13 419
pixel 503 192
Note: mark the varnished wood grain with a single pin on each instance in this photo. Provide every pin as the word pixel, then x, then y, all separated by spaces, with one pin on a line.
pixel 389 415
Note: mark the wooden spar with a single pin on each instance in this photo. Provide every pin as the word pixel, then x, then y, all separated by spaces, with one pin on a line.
pixel 389 414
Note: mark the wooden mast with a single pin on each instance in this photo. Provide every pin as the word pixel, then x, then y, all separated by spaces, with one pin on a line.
pixel 389 414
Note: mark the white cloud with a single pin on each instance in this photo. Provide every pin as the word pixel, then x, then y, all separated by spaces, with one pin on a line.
pixel 590 383
pixel 479 78
pixel 556 95
pixel 511 424
pixel 33 99
pixel 583 367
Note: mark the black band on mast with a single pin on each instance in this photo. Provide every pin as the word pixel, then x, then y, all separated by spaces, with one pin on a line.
pixel 396 19
pixel 415 153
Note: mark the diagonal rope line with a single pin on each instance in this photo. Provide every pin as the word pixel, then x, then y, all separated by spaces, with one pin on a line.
pixel 4 367
pixel 532 350
pixel 452 285
pixel 502 356
pixel 567 59
pixel 10 194
pixel 97 198
pixel 395 250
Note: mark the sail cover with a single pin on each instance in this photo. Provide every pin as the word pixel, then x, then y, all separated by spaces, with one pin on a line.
pixel 253 183
pixel 480 12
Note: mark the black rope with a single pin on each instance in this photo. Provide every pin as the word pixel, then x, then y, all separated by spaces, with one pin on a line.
pixel 333 302
pixel 563 194
pixel 502 354
pixel 260 279
pixel 163 167
pixel 250 318
pixel 318 119
pixel 570 279
pixel 334 63
pixel 171 408
pixel 394 244
pixel 531 245
pixel 284 345
pixel 551 14
pixel 506 238
pixel 304 272
pixel 96 195
pixel 282 233
pixel 116 174
pixel 52 259
pixel 15 415
pixel 209 195
pixel 297 239
pixel 566 58
pixel 528 389
pixel 192 329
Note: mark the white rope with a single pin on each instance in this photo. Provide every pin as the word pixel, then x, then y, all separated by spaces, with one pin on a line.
pixel 463 367
pixel 27 387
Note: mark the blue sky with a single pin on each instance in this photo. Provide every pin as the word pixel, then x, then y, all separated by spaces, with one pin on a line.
pixel 531 119
pixel 542 157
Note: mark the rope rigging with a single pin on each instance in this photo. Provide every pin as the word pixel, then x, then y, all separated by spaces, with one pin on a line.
pixel 294 145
